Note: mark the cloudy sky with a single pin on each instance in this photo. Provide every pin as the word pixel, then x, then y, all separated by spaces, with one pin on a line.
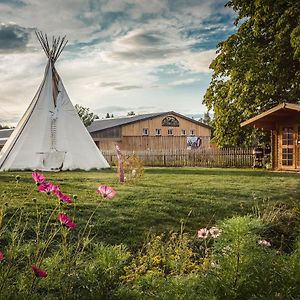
pixel 122 55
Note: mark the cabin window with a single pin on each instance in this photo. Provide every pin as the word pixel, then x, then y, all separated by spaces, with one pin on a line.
pixel 170 131
pixel 287 156
pixel 157 131
pixel 287 136
pixel 183 132
pixel 192 132
pixel 145 131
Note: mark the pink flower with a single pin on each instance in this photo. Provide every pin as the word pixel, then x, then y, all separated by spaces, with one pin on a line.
pixel 120 165
pixel 214 232
pixel 55 189
pixel 38 272
pixel 66 220
pixel 203 233
pixel 106 191
pixel 264 243
pixel 46 187
pixel 62 197
pixel 38 178
pixel 119 153
pixel 1 256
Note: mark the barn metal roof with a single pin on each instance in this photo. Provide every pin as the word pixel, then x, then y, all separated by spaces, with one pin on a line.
pixel 103 124
pixel 4 135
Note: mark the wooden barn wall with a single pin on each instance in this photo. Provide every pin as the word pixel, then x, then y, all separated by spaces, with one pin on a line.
pixel 136 129
pixel 141 143
pixel 111 133
pixel 107 144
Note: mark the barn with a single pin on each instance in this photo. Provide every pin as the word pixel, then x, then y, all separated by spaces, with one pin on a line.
pixel 283 121
pixel 4 135
pixel 153 131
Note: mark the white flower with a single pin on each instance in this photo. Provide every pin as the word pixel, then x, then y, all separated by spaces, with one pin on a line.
pixel 203 233
pixel 215 232
pixel 264 243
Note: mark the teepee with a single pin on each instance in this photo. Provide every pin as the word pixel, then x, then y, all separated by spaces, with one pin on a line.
pixel 50 136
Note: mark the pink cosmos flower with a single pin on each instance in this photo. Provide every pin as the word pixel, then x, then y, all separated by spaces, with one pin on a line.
pixel 55 189
pixel 38 178
pixel 46 187
pixel 106 191
pixel 62 197
pixel 1 256
pixel 66 220
pixel 215 232
pixel 38 272
pixel 264 243
pixel 203 233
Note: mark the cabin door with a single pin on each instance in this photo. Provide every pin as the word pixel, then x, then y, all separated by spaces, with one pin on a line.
pixel 297 147
pixel 290 147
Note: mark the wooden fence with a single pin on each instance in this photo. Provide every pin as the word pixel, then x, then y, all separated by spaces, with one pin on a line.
pixel 207 157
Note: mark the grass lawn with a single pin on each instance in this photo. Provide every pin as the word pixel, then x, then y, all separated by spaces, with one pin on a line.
pixel 158 201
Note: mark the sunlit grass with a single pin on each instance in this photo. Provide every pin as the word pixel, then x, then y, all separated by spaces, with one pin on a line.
pixel 158 201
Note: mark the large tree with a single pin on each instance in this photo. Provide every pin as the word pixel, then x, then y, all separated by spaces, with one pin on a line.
pixel 85 115
pixel 256 68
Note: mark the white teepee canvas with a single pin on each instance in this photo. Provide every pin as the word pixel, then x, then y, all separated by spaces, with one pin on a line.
pixel 50 136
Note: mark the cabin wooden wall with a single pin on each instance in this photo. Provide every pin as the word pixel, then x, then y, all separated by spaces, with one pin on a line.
pixel 136 129
pixel 274 141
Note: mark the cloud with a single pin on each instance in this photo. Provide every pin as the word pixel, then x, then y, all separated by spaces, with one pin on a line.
pixel 187 81
pixel 13 37
pixel 157 50
pixel 12 2
pixel 109 84
pixel 128 87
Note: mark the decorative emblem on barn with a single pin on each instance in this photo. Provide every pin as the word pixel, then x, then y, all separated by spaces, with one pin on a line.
pixel 170 121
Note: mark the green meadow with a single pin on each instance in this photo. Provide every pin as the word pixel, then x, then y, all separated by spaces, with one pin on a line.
pixel 157 202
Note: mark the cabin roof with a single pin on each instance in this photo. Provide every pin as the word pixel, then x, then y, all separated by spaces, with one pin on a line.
pixel 103 124
pixel 269 118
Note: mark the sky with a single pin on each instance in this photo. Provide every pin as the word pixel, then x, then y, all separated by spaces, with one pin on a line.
pixel 122 55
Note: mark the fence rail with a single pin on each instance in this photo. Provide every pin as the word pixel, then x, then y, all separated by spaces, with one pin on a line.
pixel 209 157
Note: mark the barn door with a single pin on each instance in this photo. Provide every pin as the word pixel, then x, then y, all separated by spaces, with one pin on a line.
pixel 288 156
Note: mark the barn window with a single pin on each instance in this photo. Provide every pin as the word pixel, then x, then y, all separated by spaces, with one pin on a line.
pixel 158 131
pixel 170 131
pixel 192 132
pixel 183 132
pixel 145 131
pixel 170 121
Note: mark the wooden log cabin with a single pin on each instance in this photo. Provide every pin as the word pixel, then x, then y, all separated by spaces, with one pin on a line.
pixel 284 122
pixel 155 131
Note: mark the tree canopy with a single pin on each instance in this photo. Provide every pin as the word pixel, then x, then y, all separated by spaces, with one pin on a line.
pixel 256 68
pixel 206 119
pixel 85 115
